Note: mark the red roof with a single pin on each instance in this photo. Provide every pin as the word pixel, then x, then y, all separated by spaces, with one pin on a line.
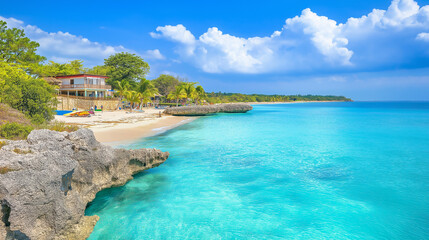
pixel 82 75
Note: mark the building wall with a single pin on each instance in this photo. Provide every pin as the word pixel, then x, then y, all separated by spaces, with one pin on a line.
pixel 68 103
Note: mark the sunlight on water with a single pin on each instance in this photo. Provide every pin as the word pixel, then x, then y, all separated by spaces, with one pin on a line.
pixel 296 171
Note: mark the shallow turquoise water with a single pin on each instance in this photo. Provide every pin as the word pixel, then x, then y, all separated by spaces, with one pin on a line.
pixel 296 171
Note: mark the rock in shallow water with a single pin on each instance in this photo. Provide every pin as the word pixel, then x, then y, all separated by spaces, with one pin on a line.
pixel 208 109
pixel 47 181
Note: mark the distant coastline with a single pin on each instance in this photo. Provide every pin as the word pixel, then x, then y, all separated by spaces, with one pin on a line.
pixel 258 103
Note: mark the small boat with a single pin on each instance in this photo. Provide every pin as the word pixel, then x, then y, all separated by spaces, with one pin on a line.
pixel 78 114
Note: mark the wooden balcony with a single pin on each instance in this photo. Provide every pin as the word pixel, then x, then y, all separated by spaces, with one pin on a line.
pixel 87 98
pixel 85 86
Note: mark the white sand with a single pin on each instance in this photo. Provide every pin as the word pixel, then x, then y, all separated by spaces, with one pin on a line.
pixel 119 126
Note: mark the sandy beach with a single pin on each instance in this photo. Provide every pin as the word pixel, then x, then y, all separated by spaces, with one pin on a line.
pixel 116 127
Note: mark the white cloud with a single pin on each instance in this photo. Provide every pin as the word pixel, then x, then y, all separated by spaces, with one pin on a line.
pixel 63 46
pixel 153 54
pixel 324 33
pixel 310 42
pixel 423 36
pixel 177 33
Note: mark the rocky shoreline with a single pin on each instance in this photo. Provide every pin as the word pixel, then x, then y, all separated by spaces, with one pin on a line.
pixel 202 110
pixel 47 181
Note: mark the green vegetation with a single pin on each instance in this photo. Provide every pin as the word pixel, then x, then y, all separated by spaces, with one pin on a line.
pixel 15 130
pixel 16 48
pixel 147 90
pixel 133 97
pixel 121 89
pixel 125 67
pixel 176 94
pixel 31 95
pixel 34 97
pixel 2 144
pixel 58 69
pixel 238 97
pixel 165 84
pixel 200 94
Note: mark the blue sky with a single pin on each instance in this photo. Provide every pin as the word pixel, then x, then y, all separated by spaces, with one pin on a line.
pixel 367 50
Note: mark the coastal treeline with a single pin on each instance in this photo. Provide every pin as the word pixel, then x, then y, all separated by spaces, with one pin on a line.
pixel 238 97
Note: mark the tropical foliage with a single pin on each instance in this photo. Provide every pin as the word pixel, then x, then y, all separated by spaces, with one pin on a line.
pixel 15 47
pixel 200 94
pixel 15 130
pixel 34 97
pixel 176 94
pixel 126 67
pixel 147 90
pixel 166 84
pixel 238 97
pixel 133 97
pixel 122 88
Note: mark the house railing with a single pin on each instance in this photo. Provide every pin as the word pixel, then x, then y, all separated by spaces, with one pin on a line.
pixel 88 98
pixel 83 86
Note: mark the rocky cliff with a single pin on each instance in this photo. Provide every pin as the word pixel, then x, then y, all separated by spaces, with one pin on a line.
pixel 47 181
pixel 208 109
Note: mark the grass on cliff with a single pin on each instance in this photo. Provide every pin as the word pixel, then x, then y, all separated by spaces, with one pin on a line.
pixel 15 125
pixel 20 151
pixel 4 170
pixel 58 126
pixel 8 114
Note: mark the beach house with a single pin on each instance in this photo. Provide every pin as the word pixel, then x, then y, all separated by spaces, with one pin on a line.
pixel 84 85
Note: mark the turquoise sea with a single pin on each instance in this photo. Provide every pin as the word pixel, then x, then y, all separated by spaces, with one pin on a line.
pixel 355 170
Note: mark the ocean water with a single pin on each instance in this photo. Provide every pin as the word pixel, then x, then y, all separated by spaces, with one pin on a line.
pixel 288 171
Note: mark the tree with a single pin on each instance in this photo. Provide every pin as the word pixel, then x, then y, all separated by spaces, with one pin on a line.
pixel 200 94
pixel 76 66
pixel 132 97
pixel 15 47
pixel 147 90
pixel 176 94
pixel 122 88
pixel 98 70
pixel 165 84
pixel 188 90
pixel 58 69
pixel 125 66
pixel 34 97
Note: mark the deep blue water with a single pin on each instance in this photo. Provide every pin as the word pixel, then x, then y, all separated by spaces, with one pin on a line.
pixel 297 171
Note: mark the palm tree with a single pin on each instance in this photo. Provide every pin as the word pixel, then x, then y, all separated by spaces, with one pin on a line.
pixel 188 90
pixel 132 97
pixel 200 94
pixel 147 90
pixel 122 89
pixel 176 94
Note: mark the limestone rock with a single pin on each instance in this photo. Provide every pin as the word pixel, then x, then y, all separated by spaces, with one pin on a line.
pixel 47 181
pixel 208 109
